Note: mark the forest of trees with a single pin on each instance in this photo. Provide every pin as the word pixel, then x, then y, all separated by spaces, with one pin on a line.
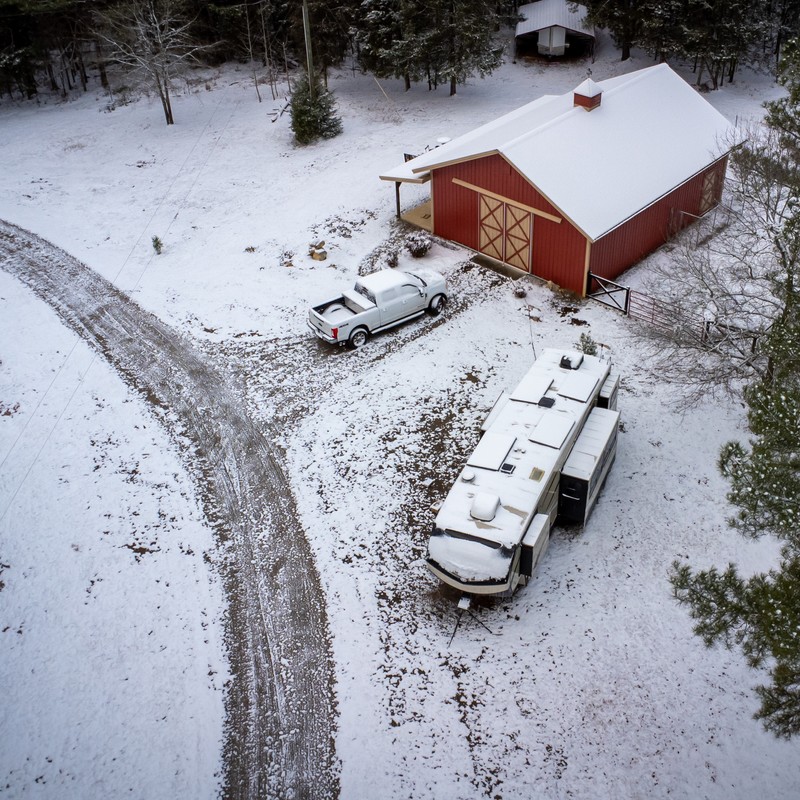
pixel 717 35
pixel 62 45
pixel 65 45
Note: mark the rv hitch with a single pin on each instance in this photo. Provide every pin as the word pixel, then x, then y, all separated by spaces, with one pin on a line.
pixel 464 603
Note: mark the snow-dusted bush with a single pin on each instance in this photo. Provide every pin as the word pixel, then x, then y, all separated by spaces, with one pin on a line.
pixel 587 345
pixel 418 243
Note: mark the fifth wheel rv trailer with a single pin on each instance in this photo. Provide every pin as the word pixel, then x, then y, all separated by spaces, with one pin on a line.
pixel 545 452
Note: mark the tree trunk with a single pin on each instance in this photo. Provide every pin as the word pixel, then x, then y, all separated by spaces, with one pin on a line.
pixel 626 51
pixel 101 65
pixel 452 86
pixel 52 76
pixel 168 107
pixel 82 70
pixel 267 54
pixel 163 95
pixel 407 82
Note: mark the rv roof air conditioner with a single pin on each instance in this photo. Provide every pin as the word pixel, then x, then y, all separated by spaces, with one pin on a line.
pixel 484 506
pixel 571 360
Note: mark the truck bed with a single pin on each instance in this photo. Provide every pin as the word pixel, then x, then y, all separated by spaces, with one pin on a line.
pixel 334 312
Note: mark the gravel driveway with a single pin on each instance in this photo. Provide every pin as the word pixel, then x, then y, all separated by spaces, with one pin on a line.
pixel 280 702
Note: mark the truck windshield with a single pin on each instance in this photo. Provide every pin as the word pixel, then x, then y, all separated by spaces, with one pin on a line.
pixel 418 278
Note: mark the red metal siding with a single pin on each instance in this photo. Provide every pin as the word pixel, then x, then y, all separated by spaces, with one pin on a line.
pixel 559 249
pixel 613 253
pixel 559 253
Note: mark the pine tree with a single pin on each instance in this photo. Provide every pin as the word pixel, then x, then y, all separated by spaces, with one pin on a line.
pixel 444 41
pixel 762 614
pixel 718 34
pixel 382 40
pixel 460 42
pixel 313 114
pixel 624 18
pixel 331 25
pixel 663 30
pixel 783 115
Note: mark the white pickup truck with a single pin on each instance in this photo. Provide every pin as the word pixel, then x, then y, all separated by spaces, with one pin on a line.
pixel 377 302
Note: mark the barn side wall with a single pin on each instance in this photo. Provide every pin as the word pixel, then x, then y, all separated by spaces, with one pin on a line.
pixel 559 249
pixel 623 247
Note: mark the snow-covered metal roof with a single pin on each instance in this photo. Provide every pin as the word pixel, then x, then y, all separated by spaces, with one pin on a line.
pixel 651 133
pixel 549 13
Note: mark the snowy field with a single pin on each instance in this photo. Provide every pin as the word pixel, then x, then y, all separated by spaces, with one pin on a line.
pixel 590 684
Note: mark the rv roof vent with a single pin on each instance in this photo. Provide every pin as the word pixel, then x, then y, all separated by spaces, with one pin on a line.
pixel 467 476
pixel 547 402
pixel 484 506
pixel 571 360
pixel 507 468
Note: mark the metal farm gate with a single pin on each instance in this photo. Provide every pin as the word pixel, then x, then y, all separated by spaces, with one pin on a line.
pixel 658 313
pixel 666 316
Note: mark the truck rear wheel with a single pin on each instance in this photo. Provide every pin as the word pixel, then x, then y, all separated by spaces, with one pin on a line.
pixel 358 338
pixel 437 304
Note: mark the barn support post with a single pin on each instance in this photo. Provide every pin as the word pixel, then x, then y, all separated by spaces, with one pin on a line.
pixel 397 196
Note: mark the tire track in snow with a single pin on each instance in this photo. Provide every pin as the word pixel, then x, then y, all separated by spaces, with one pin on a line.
pixel 280 700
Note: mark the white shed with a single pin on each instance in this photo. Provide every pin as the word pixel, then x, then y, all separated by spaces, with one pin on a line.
pixel 552 28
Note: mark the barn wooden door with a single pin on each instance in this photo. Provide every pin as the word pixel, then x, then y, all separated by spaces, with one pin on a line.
pixel 492 227
pixel 505 232
pixel 518 238
pixel 710 192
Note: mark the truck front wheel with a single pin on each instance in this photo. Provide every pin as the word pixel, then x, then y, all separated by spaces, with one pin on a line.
pixel 358 338
pixel 437 305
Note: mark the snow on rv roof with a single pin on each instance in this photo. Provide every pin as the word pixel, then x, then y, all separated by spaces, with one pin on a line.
pixel 516 458
pixel 651 133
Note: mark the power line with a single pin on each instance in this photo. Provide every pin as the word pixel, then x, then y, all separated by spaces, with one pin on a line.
pixel 116 278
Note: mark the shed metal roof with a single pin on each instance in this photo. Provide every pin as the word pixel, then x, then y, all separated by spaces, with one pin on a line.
pixel 550 13
pixel 651 133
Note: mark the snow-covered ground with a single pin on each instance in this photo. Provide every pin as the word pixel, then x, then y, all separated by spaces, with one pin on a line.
pixel 591 683
pixel 112 666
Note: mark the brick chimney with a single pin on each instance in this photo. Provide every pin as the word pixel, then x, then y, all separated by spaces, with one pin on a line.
pixel 588 95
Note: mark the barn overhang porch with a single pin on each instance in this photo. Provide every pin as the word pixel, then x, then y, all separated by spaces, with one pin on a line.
pixel 421 214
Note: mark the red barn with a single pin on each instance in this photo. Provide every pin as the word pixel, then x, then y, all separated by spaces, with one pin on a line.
pixel 587 182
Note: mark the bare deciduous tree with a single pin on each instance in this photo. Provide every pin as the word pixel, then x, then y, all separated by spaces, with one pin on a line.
pixel 151 38
pixel 729 275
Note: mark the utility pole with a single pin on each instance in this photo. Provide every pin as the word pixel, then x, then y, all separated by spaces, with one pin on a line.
pixel 309 57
